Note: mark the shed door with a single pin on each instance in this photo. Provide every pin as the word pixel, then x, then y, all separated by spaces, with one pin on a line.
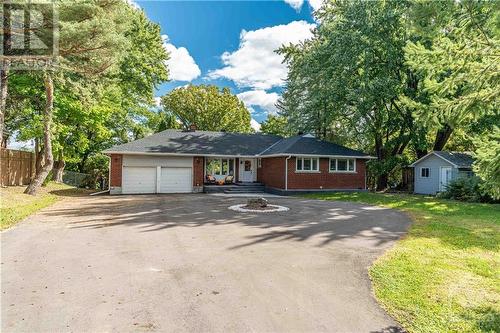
pixel 176 180
pixel 139 180
pixel 444 178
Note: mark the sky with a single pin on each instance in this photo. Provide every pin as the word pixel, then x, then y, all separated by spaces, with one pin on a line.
pixel 231 44
pixel 228 44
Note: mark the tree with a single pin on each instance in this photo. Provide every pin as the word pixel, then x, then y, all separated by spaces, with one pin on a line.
pixel 350 81
pixel 207 107
pixel 459 63
pixel 276 125
pixel 487 162
pixel 91 40
pixel 121 105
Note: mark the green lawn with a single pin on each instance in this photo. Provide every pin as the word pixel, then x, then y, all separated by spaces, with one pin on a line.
pixel 15 205
pixel 444 276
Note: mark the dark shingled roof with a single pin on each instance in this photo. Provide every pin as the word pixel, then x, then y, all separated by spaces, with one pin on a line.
pixel 234 144
pixel 460 159
pixel 199 143
pixel 308 145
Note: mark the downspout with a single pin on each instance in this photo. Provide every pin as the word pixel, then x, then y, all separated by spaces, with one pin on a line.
pixel 286 171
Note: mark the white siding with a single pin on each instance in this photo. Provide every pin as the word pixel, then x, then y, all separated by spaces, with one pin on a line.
pixel 430 185
pixel 163 161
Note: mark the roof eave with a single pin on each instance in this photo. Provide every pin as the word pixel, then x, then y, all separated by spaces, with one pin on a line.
pixel 321 155
pixel 433 153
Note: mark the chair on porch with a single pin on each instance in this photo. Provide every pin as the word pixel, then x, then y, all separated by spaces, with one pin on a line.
pixel 209 179
pixel 229 179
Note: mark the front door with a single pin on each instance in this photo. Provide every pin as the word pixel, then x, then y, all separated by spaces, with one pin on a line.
pixel 445 178
pixel 247 170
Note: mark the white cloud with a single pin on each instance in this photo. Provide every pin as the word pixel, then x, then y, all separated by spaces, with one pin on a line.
pixel 260 98
pixel 181 65
pixel 255 125
pixel 315 4
pixel 157 101
pixel 133 4
pixel 295 4
pixel 255 64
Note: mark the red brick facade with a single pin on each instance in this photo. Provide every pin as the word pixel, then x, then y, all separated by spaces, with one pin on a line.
pixel 326 179
pixel 198 170
pixel 272 174
pixel 116 170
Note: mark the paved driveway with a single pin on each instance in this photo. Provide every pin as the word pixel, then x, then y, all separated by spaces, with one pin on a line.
pixel 187 263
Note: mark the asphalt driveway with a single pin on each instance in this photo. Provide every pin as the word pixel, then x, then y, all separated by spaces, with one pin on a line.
pixel 187 263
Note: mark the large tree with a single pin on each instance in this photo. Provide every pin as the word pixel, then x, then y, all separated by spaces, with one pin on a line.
pixel 459 60
pixel 275 124
pixel 207 107
pixel 91 38
pixel 350 83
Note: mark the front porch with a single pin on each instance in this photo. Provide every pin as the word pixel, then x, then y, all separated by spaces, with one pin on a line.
pixel 242 187
pixel 227 171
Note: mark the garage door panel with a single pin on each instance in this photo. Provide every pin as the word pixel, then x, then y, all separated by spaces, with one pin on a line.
pixel 176 180
pixel 138 180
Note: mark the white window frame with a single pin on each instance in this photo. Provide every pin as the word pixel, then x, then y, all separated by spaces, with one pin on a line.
pixel 428 174
pixel 336 165
pixel 302 159
pixel 220 163
pixel 259 163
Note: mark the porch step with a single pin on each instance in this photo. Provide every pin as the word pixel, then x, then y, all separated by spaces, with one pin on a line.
pixel 254 188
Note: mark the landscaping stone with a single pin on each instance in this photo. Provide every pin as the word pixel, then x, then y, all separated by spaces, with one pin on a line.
pixel 257 203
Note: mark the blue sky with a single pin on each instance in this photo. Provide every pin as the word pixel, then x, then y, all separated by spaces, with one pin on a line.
pixel 230 44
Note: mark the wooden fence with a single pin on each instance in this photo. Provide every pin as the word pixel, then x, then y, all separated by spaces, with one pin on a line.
pixel 17 167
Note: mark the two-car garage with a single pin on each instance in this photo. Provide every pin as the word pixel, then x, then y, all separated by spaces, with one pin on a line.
pixel 150 174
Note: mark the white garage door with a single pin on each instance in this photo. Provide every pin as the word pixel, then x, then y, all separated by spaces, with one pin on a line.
pixel 176 180
pixel 139 180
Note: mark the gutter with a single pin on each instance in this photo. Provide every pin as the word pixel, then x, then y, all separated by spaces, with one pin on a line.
pixel 286 171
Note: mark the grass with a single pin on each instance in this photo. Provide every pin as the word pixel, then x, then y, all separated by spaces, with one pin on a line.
pixel 444 276
pixel 16 206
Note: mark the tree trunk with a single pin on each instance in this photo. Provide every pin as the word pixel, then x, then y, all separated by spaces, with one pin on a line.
pixel 58 168
pixel 39 152
pixel 382 181
pixel 37 182
pixel 4 73
pixel 420 153
pixel 442 136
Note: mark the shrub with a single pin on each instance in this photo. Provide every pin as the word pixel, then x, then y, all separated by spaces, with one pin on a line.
pixel 466 189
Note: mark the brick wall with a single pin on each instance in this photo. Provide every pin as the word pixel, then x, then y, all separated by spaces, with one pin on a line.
pixel 116 170
pixel 273 170
pixel 198 172
pixel 325 178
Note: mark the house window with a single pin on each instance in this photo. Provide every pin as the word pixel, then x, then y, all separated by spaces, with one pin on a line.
pixel 219 166
pixel 425 172
pixel 342 165
pixel 259 163
pixel 307 164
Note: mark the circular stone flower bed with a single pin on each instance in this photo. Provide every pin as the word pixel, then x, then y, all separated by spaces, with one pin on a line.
pixel 244 208
pixel 258 206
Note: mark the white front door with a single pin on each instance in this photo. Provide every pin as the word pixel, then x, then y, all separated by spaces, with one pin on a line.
pixel 444 178
pixel 247 170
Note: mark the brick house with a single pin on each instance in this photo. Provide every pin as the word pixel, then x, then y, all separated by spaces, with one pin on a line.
pixel 175 161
